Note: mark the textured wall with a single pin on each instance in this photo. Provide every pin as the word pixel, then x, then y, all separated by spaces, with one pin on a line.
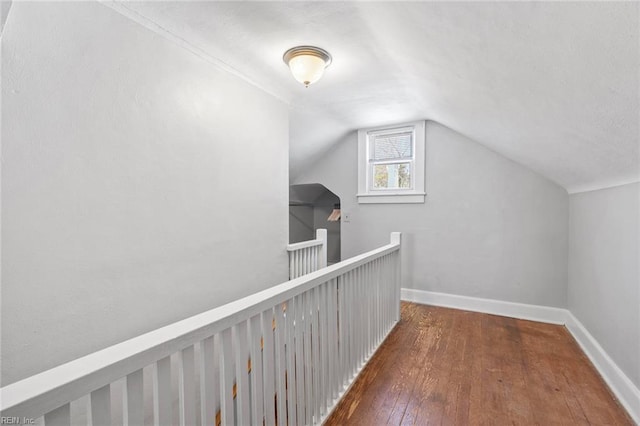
pixel 604 279
pixel 489 227
pixel 140 184
pixel 301 224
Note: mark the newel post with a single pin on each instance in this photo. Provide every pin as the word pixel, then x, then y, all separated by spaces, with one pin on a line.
pixel 396 238
pixel 321 234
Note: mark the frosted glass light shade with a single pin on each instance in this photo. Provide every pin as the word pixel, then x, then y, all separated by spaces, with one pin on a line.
pixel 307 63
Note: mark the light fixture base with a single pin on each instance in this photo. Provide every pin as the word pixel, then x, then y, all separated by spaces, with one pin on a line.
pixel 307 50
pixel 307 63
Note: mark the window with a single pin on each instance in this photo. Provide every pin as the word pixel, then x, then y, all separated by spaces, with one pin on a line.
pixel 391 164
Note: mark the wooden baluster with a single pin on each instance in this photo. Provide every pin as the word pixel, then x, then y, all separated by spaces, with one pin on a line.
pixel 269 367
pixel 315 345
pixel 384 307
pixel 294 257
pixel 353 332
pixel 257 399
pixel 348 327
pixel 392 297
pixel 359 272
pixel 368 322
pixel 390 285
pixel 303 261
pixel 292 264
pixel 380 284
pixel 364 291
pixel 307 263
pixel 61 416
pixel 370 333
pixel 394 286
pixel 187 386
pixel 291 362
pixel 227 378
pixel 314 259
pixel 209 385
pixel 312 263
pixel 302 319
pixel 336 300
pixel 242 376
pixel 361 332
pixel 378 313
pixel 342 325
pixel 280 353
pixel 162 401
pixel 100 406
pixel 308 356
pixel 323 347
pixel 133 399
pixel 374 310
pixel 396 238
pixel 373 274
pixel 330 348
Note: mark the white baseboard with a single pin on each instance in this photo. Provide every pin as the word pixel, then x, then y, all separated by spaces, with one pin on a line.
pixel 626 392
pixel 487 306
pixel 621 386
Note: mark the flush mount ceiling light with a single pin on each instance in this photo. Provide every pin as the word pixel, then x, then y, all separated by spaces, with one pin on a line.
pixel 307 63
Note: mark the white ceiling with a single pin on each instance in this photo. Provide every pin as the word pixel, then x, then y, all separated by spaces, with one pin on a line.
pixel 553 86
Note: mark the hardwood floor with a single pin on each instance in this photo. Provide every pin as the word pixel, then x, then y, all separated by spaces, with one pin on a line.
pixel 450 367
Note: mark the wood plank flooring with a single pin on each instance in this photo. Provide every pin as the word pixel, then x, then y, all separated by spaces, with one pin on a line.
pixel 450 367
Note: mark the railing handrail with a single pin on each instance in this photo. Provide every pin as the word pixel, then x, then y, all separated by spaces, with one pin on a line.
pixel 321 238
pixel 304 244
pixel 50 389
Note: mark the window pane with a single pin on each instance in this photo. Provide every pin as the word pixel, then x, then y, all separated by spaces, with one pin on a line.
pixel 392 146
pixel 392 176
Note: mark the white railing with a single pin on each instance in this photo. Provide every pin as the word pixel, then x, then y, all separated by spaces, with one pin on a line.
pixel 308 256
pixel 283 356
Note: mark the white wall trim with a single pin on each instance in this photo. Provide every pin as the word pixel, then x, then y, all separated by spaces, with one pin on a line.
pixel 621 386
pixel 487 306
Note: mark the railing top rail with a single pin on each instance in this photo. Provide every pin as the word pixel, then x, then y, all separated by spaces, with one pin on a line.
pixel 46 391
pixel 304 244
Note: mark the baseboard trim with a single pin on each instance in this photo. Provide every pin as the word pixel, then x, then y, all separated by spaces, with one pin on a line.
pixel 621 386
pixel 487 306
pixel 624 390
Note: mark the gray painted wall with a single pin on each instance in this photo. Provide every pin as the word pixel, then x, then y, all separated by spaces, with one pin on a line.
pixel 306 219
pixel 323 207
pixel 489 227
pixel 301 227
pixel 130 195
pixel 604 283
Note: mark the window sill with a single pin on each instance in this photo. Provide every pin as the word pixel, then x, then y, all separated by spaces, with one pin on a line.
pixel 392 198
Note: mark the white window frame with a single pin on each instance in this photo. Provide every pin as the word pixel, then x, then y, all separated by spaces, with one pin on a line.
pixel 367 194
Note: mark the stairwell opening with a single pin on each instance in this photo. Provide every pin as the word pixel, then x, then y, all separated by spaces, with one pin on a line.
pixel 310 208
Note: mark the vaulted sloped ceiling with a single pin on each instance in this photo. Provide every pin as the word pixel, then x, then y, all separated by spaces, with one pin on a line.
pixel 553 85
